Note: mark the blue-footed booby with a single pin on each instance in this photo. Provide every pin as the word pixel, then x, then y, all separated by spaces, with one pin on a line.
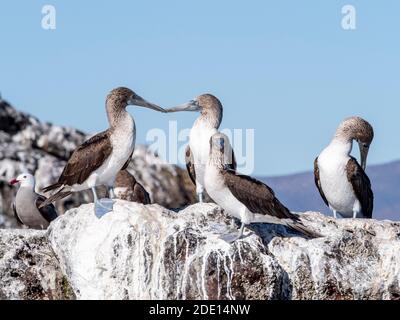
pixel 127 188
pixel 198 150
pixel 340 180
pixel 98 160
pixel 27 204
pixel 243 197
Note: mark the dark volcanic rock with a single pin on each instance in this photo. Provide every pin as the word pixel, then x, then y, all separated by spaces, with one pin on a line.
pixel 29 268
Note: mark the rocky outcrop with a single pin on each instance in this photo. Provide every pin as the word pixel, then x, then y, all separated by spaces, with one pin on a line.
pixel 28 145
pixel 29 268
pixel 149 252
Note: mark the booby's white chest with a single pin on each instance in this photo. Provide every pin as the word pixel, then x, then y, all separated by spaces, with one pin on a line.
pixel 200 146
pixel 220 193
pixel 123 143
pixel 334 182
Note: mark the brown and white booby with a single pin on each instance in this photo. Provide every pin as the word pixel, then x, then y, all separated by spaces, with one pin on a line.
pixel 127 188
pixel 244 197
pixel 198 150
pixel 341 181
pixel 27 204
pixel 98 160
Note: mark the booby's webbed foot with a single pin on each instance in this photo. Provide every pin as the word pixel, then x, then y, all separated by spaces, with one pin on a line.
pixel 103 206
pixel 232 237
pixel 111 193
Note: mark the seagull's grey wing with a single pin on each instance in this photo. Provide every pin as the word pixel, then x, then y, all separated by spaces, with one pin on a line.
pixel 16 214
pixel 48 212
pixel 190 164
pixel 86 158
pixel 255 195
pixel 318 181
pixel 361 186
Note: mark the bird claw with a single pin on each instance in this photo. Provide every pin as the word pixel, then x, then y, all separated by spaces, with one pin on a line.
pixel 230 237
pixel 103 206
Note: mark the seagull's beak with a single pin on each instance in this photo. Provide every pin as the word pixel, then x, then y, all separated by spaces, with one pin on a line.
pixel 13 181
pixel 188 106
pixel 139 101
pixel 363 154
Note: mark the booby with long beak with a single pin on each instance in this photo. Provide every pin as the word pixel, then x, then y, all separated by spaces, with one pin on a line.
pixel 244 197
pixel 341 181
pixel 27 206
pixel 127 188
pixel 98 160
pixel 198 150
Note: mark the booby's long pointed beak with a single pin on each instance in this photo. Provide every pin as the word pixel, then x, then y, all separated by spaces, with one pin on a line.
pixel 188 106
pixel 13 181
pixel 363 154
pixel 139 101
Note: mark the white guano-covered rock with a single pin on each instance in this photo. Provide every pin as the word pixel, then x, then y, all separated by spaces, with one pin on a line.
pixel 149 252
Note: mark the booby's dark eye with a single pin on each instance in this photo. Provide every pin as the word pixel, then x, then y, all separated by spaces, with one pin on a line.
pixel 366 145
pixel 24 177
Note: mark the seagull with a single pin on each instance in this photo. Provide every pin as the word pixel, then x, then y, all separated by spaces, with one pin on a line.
pixel 197 151
pixel 98 160
pixel 341 181
pixel 27 206
pixel 127 188
pixel 243 197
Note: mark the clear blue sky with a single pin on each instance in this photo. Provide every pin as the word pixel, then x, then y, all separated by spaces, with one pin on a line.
pixel 285 68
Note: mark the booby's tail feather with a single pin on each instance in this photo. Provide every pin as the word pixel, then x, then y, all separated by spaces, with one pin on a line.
pixel 59 195
pixel 52 187
pixel 301 228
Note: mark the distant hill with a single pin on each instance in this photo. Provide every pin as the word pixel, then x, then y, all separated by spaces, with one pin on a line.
pixel 298 191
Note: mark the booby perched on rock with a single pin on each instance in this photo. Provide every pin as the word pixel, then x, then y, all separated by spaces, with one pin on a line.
pixel 340 180
pixel 27 206
pixel 244 197
pixel 198 150
pixel 98 160
pixel 127 188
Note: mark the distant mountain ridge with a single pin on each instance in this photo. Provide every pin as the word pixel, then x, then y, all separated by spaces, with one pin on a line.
pixel 298 191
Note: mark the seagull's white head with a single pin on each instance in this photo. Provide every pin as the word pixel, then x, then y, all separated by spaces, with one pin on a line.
pixel 25 179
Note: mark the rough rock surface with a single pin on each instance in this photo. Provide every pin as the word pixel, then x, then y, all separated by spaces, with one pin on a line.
pixel 26 144
pixel 149 252
pixel 29 268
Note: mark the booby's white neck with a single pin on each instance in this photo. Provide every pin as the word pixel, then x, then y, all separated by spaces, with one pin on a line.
pixel 209 121
pixel 341 146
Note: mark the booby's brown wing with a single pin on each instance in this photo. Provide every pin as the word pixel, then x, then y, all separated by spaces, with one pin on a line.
pixel 190 164
pixel 318 181
pixel 141 195
pixel 88 157
pixel 232 166
pixel 48 212
pixel 127 161
pixel 361 186
pixel 255 195
pixel 16 214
